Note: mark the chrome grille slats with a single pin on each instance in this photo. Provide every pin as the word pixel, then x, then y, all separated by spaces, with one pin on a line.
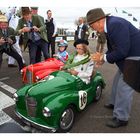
pixel 29 76
pixel 31 106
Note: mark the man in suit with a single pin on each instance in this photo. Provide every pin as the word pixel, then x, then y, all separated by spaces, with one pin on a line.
pixel 34 34
pixel 123 40
pixel 7 40
pixel 82 30
pixel 51 32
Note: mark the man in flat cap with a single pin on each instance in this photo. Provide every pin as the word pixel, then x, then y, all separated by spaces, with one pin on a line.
pixel 34 11
pixel 123 40
pixel 34 34
pixel 7 40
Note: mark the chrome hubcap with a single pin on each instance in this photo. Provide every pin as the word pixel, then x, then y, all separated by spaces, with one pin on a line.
pixel 98 92
pixel 67 119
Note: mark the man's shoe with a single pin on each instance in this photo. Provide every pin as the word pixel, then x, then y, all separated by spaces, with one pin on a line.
pixel 12 65
pixel 115 123
pixel 109 106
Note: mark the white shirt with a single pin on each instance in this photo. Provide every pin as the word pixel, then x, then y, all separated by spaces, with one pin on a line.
pixel 13 23
pixel 80 30
pixel 105 30
pixel 85 70
pixel 105 27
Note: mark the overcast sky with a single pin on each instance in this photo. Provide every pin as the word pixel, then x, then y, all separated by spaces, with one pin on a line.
pixel 65 17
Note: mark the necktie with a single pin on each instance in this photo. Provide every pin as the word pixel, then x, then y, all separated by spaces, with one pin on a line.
pixel 4 33
pixel 32 35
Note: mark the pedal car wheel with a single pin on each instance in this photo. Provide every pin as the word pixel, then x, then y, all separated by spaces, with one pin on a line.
pixel 67 119
pixel 98 92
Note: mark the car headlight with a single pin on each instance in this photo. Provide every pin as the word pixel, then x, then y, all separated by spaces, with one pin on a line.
pixel 49 77
pixel 37 78
pixel 21 72
pixel 15 97
pixel 46 112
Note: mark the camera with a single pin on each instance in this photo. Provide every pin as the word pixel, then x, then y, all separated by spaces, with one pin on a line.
pixel 32 29
pixel 6 40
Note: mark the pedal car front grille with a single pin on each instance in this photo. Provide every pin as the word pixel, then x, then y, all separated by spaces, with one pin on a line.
pixel 29 76
pixel 31 106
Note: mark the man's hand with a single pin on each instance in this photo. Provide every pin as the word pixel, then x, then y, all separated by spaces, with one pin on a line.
pixel 25 29
pixel 55 55
pixel 98 58
pixel 53 35
pixel 2 41
pixel 98 64
pixel 10 41
pixel 36 29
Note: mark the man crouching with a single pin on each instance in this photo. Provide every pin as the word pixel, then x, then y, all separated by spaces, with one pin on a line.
pixel 7 39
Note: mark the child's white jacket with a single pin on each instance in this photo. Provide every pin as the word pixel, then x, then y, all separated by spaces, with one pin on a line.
pixel 84 70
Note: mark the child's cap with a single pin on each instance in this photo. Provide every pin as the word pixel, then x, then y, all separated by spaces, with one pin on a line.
pixel 63 43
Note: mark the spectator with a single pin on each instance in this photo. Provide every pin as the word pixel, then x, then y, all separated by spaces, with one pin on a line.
pixel 13 22
pixel 34 11
pixel 51 32
pixel 100 42
pixel 7 39
pixel 82 30
pixel 34 34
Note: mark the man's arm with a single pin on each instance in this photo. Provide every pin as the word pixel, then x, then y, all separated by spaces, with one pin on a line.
pixel 19 27
pixel 41 25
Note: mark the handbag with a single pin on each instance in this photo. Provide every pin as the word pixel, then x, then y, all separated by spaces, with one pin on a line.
pixel 131 72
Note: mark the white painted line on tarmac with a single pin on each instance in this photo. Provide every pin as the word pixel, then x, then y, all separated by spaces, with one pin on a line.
pixel 5 101
pixel 4 118
pixel 7 87
pixel 4 78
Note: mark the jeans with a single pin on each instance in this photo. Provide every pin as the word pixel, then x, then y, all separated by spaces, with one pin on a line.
pixel 34 47
pixel 12 52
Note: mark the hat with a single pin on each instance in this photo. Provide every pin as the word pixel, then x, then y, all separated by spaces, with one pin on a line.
pixel 63 43
pixel 94 15
pixel 34 8
pixel 25 10
pixel 3 18
pixel 80 41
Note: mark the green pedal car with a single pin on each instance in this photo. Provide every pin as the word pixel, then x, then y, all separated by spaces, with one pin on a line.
pixel 51 104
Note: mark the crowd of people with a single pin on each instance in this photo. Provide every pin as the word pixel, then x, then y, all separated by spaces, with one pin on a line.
pixel 31 30
pixel 35 33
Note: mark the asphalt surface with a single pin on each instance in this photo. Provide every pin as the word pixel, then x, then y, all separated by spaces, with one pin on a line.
pixel 91 120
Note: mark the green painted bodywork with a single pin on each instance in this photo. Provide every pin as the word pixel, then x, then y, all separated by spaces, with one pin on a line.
pixel 56 94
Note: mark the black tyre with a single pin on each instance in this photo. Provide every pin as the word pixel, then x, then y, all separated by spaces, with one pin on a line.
pixel 67 119
pixel 98 92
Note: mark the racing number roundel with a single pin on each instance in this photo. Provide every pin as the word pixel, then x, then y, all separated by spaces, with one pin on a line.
pixel 82 99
